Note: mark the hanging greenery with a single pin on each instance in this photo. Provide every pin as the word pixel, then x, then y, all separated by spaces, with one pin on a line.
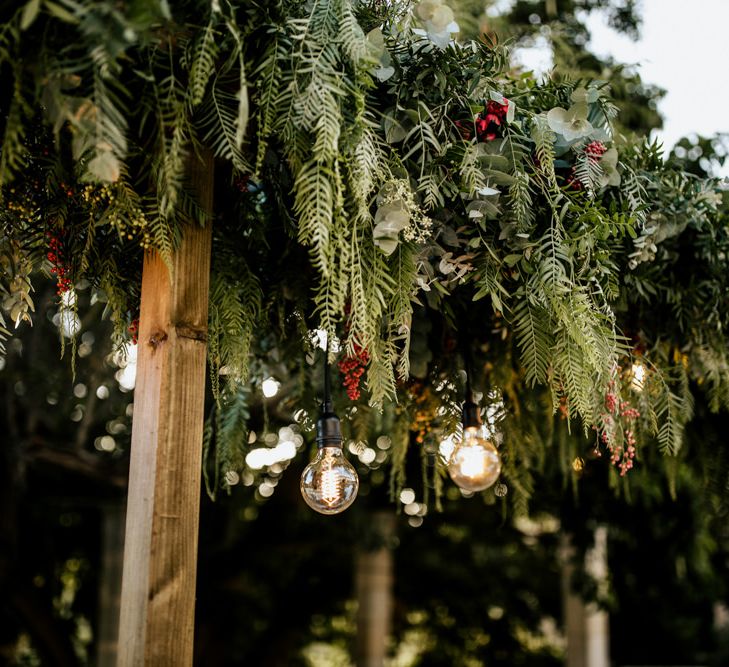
pixel 383 184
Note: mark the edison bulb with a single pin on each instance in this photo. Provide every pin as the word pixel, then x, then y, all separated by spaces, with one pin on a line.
pixel 637 376
pixel 329 483
pixel 474 464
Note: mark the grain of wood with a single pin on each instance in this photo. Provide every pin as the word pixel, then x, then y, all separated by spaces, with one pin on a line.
pixel 160 555
pixel 373 585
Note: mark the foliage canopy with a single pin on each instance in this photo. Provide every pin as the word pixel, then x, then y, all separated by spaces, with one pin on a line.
pixel 407 194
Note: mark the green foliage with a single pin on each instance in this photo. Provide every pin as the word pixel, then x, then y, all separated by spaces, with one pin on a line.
pixel 234 314
pixel 224 435
pixel 380 171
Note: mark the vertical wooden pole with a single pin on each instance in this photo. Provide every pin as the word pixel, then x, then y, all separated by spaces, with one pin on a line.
pixel 373 583
pixel 112 548
pixel 586 625
pixel 160 552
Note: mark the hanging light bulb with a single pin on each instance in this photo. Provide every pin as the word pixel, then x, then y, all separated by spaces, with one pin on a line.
pixel 329 484
pixel 474 464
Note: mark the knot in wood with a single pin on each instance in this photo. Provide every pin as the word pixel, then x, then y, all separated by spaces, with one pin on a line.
pixel 157 338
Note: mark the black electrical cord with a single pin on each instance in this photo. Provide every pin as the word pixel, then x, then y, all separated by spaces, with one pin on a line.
pixel 471 411
pixel 327 380
pixel 328 428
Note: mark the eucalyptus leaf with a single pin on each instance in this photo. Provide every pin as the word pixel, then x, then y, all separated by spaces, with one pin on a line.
pixel 394 214
pixel 384 73
pixel 493 161
pixel 501 177
pixel 30 13
pixel 60 12
pixel 482 208
pixel 387 245
pixel 376 39
pixel 395 132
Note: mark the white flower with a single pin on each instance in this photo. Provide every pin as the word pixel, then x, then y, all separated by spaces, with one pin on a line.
pixel 571 123
pixel 585 95
pixel 610 174
pixel 439 21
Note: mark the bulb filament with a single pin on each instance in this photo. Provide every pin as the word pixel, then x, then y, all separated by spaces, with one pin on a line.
pixel 329 486
pixel 473 461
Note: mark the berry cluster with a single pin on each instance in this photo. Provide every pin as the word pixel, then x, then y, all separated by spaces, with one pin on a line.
pixel 425 404
pixel 595 150
pixel 113 204
pixel 59 266
pixel 618 420
pixel 353 368
pixel 134 330
pixel 241 182
pixel 67 189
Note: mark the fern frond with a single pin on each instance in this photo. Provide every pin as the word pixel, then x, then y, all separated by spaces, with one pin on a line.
pixel 588 172
pixel 221 123
pixel 531 325
pixel 205 49
pixel 314 205
pixel 520 200
pixel 13 154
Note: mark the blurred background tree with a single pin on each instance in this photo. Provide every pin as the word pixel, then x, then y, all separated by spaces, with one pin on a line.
pixel 63 471
pixel 557 29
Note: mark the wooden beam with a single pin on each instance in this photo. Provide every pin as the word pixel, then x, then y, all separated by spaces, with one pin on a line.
pixel 160 553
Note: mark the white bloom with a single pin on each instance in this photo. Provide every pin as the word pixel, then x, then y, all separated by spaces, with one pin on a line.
pixel 439 21
pixel 571 123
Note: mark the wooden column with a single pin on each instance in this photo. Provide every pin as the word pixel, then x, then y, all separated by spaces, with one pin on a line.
pixel 112 549
pixel 160 552
pixel 373 583
pixel 587 626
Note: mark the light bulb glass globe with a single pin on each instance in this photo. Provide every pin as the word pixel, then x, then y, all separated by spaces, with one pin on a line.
pixel 329 483
pixel 475 463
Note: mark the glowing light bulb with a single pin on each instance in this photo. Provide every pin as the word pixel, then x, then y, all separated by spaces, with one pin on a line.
pixel 637 376
pixel 329 484
pixel 474 464
pixel 270 387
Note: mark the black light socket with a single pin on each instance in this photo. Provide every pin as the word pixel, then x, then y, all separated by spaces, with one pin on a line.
pixel 471 414
pixel 328 429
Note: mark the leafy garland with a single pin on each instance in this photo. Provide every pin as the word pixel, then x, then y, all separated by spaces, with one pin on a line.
pixel 395 174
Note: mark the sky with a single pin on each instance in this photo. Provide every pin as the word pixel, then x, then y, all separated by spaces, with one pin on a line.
pixel 683 48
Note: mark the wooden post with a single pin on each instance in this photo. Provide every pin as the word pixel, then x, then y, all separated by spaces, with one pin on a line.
pixel 160 552
pixel 112 547
pixel 586 625
pixel 373 583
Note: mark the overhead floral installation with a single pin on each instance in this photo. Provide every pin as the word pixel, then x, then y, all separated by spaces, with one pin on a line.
pixel 383 183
